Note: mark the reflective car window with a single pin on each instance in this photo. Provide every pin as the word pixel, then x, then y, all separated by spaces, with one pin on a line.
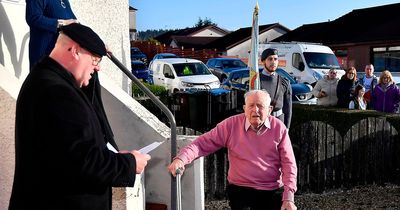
pixel 185 69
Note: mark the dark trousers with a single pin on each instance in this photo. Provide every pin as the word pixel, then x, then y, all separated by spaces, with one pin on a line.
pixel 246 198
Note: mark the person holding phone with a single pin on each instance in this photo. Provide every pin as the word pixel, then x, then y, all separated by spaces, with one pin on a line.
pixel 325 89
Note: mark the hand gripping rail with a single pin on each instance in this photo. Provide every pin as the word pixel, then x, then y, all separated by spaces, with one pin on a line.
pixel 174 193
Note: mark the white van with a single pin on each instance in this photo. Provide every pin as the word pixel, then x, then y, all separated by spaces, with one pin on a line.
pixel 180 74
pixel 307 62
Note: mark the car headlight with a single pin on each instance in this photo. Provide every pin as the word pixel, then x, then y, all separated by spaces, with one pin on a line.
pixel 302 96
pixel 216 83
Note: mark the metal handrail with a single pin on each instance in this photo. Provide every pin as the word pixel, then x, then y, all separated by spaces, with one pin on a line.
pixel 167 112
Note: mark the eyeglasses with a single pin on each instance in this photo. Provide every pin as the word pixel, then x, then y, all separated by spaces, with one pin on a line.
pixel 332 72
pixel 96 60
pixel 351 73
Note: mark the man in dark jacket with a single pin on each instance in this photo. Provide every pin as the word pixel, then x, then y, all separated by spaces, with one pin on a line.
pixel 277 86
pixel 62 161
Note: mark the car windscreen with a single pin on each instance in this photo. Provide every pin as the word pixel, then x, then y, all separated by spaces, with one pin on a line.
pixel 138 66
pixel 233 64
pixel 321 60
pixel 190 69
pixel 169 56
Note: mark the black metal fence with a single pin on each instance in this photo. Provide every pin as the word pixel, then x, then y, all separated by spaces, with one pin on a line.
pixel 368 153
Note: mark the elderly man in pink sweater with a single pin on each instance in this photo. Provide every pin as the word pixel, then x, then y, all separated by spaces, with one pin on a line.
pixel 262 170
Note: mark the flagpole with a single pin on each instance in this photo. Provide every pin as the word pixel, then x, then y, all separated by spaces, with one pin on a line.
pixel 254 78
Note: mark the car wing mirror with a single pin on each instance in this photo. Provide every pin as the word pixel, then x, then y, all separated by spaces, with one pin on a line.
pixel 168 76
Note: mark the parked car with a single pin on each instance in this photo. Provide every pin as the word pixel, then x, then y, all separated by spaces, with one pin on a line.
pixel 181 74
pixel 301 93
pixel 221 67
pixel 140 70
pixel 162 56
pixel 136 54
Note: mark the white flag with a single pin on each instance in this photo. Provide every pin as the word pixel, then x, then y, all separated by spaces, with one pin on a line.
pixel 253 57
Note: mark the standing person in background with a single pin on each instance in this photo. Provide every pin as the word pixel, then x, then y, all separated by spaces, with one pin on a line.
pixel 325 89
pixel 262 167
pixel 369 81
pixel 277 86
pixel 358 101
pixel 386 95
pixel 44 18
pixel 62 157
pixel 345 87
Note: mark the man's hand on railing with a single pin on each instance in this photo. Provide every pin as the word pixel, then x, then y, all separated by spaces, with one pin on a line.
pixel 176 164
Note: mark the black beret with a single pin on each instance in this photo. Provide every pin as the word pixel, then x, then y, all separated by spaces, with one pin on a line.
pixel 85 37
pixel 268 52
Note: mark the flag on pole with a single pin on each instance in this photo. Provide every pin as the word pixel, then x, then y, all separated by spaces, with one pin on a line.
pixel 253 57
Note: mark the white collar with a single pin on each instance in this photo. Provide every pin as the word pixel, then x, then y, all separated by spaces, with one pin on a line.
pixel 266 124
pixel 266 72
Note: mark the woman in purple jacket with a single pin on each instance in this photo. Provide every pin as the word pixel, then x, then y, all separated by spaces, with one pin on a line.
pixel 386 95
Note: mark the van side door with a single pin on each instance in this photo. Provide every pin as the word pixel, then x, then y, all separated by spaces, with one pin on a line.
pixel 169 77
pixel 158 77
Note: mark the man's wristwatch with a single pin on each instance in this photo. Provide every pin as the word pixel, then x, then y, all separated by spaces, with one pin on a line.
pixel 60 23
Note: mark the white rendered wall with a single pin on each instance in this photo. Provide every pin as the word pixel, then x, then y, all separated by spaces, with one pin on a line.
pixel 134 128
pixel 208 33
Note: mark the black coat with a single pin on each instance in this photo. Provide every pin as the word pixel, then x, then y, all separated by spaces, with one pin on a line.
pixel 61 157
pixel 344 91
pixel 283 97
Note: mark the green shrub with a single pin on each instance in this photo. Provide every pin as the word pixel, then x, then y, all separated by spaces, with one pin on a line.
pixel 142 98
pixel 341 119
pixel 155 89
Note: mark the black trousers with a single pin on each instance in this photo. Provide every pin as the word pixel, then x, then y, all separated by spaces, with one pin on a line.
pixel 246 198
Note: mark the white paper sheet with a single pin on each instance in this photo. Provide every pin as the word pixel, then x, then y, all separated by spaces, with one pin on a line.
pixel 150 147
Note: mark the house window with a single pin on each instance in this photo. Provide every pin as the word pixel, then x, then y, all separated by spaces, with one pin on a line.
pixel 386 58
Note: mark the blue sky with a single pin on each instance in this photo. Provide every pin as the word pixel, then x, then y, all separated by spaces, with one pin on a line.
pixel 235 14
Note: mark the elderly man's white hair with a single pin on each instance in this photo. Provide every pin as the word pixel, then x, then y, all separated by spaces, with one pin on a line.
pixel 263 92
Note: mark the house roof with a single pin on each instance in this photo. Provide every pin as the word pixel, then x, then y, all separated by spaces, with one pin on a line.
pixel 166 37
pixel 239 36
pixel 193 42
pixel 360 25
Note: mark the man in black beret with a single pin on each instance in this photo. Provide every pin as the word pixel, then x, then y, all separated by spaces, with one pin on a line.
pixel 62 159
pixel 277 86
